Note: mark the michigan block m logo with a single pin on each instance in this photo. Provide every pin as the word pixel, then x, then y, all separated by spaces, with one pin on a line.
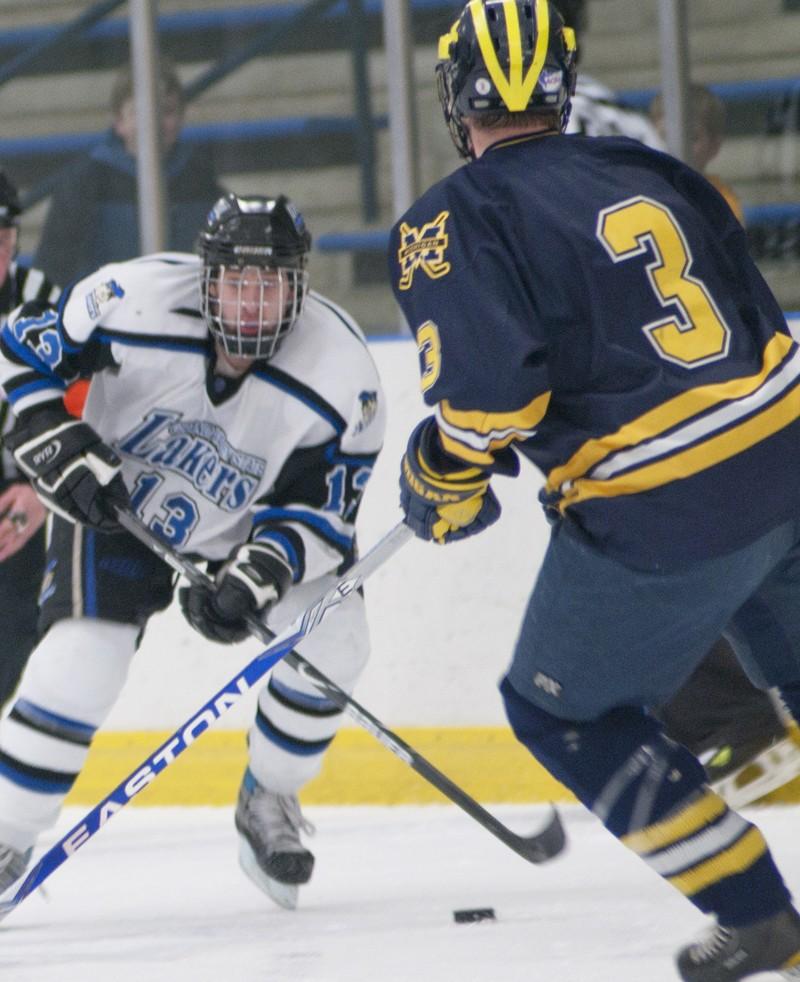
pixel 423 249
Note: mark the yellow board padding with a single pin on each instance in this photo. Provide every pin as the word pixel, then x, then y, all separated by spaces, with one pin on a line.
pixel 487 762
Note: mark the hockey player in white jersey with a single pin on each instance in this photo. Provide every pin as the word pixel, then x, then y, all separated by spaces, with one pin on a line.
pixel 238 414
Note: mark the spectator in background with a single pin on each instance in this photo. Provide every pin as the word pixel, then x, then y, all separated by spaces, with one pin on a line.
pixel 708 131
pixel 21 512
pixel 93 214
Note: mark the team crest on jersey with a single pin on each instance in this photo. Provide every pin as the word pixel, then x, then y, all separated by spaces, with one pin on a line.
pixel 369 408
pixel 100 295
pixel 423 248
pixel 199 451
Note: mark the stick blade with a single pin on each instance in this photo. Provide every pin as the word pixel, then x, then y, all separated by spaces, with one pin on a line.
pixel 548 843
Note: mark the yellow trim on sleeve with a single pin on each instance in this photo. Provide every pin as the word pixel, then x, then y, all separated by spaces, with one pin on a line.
pixel 483 423
pixel 668 414
pixel 695 459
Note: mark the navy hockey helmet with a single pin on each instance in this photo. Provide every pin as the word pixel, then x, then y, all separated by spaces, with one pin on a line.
pixel 254 251
pixel 505 56
pixel 10 208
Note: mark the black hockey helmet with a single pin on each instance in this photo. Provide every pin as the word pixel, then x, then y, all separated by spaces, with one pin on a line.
pixel 505 56
pixel 10 208
pixel 254 251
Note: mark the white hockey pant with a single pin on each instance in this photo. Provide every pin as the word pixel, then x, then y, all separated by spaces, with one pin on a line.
pixel 294 722
pixel 70 684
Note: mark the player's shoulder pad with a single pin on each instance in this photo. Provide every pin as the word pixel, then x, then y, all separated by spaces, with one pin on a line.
pixel 327 354
pixel 439 234
pixel 140 296
pixel 327 350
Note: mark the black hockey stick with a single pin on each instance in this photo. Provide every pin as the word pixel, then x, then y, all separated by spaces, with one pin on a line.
pixel 537 848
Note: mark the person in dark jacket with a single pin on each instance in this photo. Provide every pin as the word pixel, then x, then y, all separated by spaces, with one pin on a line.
pixel 93 213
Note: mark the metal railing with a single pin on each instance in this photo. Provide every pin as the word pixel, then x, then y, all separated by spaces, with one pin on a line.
pixel 262 43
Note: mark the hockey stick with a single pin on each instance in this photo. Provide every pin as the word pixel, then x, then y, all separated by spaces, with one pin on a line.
pixel 218 704
pixel 537 848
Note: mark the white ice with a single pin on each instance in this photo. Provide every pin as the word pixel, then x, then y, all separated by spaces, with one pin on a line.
pixel 157 896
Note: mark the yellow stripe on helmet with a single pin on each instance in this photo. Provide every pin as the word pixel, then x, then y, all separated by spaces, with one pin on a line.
pixel 514 89
pixel 446 41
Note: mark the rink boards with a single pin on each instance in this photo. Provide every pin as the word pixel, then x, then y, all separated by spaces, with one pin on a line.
pixel 443 624
pixel 486 761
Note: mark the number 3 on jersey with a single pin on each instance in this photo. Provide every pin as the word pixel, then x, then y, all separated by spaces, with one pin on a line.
pixel 695 332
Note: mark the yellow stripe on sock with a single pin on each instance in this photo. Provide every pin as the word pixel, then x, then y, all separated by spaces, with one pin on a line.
pixel 737 859
pixel 793 962
pixel 677 827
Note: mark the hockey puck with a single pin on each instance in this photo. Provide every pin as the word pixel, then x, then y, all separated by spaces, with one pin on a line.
pixel 473 915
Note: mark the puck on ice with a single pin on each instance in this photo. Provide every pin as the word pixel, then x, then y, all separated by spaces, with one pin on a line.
pixel 473 915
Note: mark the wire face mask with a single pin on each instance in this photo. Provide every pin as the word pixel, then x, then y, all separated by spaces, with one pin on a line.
pixel 254 281
pixel 251 309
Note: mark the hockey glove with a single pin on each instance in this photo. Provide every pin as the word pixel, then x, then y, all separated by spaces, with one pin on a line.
pixel 249 584
pixel 72 470
pixel 443 499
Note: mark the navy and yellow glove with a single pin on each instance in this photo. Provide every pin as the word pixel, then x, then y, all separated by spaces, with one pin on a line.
pixel 443 499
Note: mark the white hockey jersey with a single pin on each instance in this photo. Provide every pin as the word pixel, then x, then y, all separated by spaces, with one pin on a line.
pixel 596 112
pixel 282 454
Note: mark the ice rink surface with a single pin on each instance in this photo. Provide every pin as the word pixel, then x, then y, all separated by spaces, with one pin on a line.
pixel 157 896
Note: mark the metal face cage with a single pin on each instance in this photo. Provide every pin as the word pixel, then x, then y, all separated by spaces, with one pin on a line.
pixel 250 309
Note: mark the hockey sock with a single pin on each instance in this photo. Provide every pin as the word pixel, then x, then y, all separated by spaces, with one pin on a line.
pixel 650 793
pixel 791 698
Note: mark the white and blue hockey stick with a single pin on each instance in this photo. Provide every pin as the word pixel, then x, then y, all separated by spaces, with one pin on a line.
pixel 281 645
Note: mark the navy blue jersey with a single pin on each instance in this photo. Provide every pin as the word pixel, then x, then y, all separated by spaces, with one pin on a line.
pixel 621 339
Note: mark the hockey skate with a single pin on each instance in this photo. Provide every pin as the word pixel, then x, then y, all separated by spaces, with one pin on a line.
pixel 270 850
pixel 727 954
pixel 744 774
pixel 12 865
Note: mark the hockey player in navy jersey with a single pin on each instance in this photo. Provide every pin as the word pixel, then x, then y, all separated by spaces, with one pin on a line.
pixel 589 304
pixel 736 729
pixel 238 414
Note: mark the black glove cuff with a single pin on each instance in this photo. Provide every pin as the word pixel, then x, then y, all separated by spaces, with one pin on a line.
pixel 35 422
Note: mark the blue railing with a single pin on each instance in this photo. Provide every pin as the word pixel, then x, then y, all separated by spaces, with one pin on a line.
pixel 730 92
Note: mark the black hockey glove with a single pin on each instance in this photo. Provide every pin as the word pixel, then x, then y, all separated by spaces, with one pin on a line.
pixel 443 499
pixel 249 584
pixel 72 470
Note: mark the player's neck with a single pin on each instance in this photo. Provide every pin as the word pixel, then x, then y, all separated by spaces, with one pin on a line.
pixel 482 139
pixel 231 366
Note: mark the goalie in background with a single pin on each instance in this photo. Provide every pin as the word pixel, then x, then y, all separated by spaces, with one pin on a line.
pixel 590 305
pixel 239 415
